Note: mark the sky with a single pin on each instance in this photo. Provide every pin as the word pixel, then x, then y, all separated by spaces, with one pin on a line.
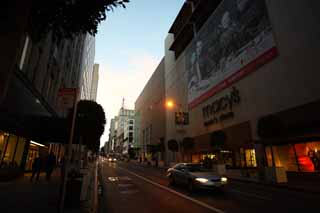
pixel 129 47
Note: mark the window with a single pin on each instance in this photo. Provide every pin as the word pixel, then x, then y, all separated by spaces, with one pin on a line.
pixel 9 151
pixel 3 143
pixel 131 122
pixel 130 127
pixel 24 53
pixel 250 156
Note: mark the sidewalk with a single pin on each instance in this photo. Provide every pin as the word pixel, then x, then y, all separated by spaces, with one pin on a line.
pixel 21 195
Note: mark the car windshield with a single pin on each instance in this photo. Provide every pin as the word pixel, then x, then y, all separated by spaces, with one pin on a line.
pixel 196 168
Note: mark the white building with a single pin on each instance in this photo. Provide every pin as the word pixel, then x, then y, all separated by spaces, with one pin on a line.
pixel 94 82
pixel 87 67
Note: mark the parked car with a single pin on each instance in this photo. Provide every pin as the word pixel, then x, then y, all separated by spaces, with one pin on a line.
pixel 195 176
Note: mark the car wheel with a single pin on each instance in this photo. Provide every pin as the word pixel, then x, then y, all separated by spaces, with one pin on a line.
pixel 172 181
pixel 191 186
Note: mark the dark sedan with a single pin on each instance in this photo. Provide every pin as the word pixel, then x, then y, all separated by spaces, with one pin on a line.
pixel 195 176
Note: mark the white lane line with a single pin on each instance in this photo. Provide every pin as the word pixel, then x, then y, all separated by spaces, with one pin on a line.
pixel 175 192
pixel 251 195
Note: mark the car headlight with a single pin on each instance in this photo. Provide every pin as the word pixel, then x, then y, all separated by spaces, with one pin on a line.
pixel 114 159
pixel 202 180
pixel 224 179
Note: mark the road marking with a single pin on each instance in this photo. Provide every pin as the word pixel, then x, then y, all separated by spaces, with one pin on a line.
pixel 125 185
pixel 129 192
pixel 125 178
pixel 174 192
pixel 251 195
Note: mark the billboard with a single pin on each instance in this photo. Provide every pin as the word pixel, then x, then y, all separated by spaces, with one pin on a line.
pixel 236 39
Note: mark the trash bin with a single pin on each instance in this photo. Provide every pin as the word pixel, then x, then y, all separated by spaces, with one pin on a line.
pixel 73 191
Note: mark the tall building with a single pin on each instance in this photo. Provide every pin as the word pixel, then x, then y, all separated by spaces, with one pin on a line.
pixel 30 106
pixel 95 81
pixel 87 67
pixel 112 135
pixel 246 79
pixel 150 113
pixel 125 121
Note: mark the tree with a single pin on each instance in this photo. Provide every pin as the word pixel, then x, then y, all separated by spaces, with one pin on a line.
pixel 66 18
pixel 90 122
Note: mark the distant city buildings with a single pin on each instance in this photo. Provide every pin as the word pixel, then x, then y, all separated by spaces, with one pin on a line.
pixel 95 81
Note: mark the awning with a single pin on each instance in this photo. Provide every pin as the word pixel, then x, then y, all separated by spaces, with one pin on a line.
pixel 42 129
pixel 295 123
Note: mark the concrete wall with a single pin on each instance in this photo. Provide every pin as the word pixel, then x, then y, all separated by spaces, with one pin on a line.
pixel 150 106
pixel 290 80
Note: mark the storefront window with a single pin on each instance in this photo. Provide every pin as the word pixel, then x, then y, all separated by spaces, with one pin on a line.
pixel 242 158
pixel 284 156
pixel 269 156
pixel 308 156
pixel 3 141
pixel 32 154
pixel 7 158
pixel 19 151
pixel 250 156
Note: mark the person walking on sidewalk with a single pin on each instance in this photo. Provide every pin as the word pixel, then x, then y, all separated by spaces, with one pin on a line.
pixel 50 164
pixel 36 168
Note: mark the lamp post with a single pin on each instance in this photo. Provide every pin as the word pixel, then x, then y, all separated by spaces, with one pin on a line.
pixel 181 119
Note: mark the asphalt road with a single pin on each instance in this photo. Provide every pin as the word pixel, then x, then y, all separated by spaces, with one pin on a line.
pixel 136 188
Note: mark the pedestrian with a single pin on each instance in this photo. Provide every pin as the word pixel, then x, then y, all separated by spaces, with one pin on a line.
pixel 36 168
pixel 50 164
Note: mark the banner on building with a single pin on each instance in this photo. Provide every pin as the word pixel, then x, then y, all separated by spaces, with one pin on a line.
pixel 236 40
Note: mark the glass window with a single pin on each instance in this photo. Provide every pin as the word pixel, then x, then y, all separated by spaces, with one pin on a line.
pixel 308 156
pixel 284 157
pixel 242 158
pixel 250 155
pixel 19 151
pixel 269 156
pixel 10 151
pixel 3 141
pixel 24 53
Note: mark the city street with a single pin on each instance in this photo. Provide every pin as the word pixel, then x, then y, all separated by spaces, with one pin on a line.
pixel 129 186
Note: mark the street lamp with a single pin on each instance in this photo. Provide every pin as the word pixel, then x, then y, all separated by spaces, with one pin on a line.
pixel 169 104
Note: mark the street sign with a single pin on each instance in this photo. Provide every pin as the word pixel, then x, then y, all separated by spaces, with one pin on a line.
pixel 66 97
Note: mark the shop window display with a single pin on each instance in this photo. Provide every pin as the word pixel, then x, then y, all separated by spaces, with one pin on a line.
pixel 268 156
pixel 9 151
pixel 3 142
pixel 250 156
pixel 308 156
pixel 19 151
pixel 284 156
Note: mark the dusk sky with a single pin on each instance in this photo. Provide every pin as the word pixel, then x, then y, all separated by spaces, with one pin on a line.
pixel 129 46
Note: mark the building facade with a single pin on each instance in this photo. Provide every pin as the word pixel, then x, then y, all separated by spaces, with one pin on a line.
pixel 31 98
pixel 245 74
pixel 150 113
pixel 87 67
pixel 95 81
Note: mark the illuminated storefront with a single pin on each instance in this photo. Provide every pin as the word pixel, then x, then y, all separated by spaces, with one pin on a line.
pixel 300 157
pixel 12 150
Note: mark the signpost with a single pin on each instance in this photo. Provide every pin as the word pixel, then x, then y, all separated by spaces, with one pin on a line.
pixel 67 99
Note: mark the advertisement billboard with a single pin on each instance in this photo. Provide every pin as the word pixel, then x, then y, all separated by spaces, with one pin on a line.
pixel 236 40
